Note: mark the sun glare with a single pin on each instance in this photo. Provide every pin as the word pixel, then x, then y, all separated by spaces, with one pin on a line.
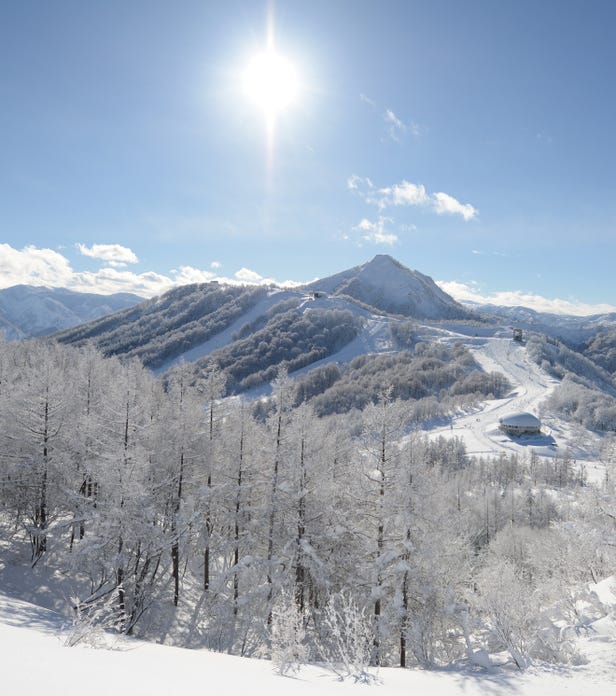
pixel 270 81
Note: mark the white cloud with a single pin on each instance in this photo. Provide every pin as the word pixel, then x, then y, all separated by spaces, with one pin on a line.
pixel 477 252
pixel 248 276
pixel 32 266
pixel 444 204
pixel 415 129
pixel 358 183
pixel 404 193
pixel 114 254
pixel 470 292
pixel 395 127
pixel 46 267
pixel 245 276
pixel 187 274
pixel 393 120
pixel 375 231
pixel 409 194
pixel 366 99
pixel 110 280
pixel 215 264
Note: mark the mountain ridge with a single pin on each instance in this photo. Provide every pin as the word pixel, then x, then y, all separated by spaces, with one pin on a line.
pixel 28 311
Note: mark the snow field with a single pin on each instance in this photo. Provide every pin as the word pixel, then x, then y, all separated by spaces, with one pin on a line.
pixel 36 661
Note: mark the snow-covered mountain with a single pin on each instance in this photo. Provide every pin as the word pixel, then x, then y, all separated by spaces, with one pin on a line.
pixel 386 284
pixel 27 311
pixel 193 321
pixel 567 327
pixel 380 307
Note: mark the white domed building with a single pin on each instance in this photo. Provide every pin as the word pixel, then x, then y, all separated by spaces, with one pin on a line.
pixel 520 424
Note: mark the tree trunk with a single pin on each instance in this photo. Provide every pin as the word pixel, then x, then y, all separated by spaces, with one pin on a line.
pixel 272 517
pixel 40 539
pixel 300 569
pixel 405 611
pixel 236 530
pixel 380 541
pixel 175 547
pixel 208 516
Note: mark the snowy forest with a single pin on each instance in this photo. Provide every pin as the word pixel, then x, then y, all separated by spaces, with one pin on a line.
pixel 180 516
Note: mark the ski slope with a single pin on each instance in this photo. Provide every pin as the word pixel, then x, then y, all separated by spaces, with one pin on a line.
pixel 225 336
pixel 531 386
pixel 373 338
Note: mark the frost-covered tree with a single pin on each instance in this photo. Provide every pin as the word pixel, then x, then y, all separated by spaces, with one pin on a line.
pixel 38 403
pixel 289 650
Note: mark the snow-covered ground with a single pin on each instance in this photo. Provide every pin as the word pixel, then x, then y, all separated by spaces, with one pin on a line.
pixel 33 640
pixel 531 387
pixel 36 660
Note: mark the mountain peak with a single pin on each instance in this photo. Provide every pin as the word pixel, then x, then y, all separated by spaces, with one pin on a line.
pixel 382 259
pixel 384 263
pixel 385 283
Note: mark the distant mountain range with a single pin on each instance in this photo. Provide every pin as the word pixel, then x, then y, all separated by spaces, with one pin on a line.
pixel 27 311
pixel 572 329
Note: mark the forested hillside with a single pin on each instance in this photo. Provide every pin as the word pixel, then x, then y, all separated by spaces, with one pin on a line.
pixel 290 339
pixel 430 370
pixel 601 348
pixel 587 392
pixel 175 515
pixel 160 329
pixel 251 331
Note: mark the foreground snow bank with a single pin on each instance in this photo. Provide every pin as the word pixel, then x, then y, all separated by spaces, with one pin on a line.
pixel 35 659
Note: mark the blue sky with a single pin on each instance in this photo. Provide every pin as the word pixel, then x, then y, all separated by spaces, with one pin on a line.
pixel 473 141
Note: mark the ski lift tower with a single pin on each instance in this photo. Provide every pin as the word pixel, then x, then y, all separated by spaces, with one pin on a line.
pixel 518 335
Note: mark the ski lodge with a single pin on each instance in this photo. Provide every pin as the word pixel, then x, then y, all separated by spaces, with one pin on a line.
pixel 520 424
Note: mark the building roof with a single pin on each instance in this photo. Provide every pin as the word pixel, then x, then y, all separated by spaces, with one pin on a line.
pixel 520 420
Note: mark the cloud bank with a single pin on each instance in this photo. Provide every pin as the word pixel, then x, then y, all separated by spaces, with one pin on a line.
pixel 464 292
pixel 49 268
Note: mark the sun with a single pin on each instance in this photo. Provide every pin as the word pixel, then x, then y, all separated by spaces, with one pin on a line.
pixel 271 82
